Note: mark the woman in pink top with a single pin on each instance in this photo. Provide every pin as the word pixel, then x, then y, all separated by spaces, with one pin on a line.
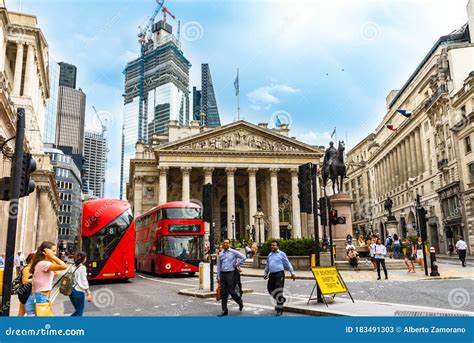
pixel 45 263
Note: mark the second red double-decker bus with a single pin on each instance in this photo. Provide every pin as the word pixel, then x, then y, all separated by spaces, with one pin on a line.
pixel 108 238
pixel 170 239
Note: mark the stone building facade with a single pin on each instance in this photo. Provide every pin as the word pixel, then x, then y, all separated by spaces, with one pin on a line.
pixel 426 155
pixel 250 165
pixel 24 83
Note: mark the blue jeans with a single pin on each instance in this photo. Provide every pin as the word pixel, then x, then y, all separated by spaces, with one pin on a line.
pixel 78 300
pixel 30 303
pixel 396 250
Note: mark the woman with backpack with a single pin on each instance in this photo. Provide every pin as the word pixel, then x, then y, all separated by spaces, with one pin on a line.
pixel 397 246
pixel 43 267
pixel 24 285
pixel 80 290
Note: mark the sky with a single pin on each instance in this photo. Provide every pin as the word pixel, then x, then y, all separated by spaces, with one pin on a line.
pixel 315 64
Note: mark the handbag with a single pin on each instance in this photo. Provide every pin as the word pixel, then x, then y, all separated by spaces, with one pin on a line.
pixel 218 293
pixel 43 309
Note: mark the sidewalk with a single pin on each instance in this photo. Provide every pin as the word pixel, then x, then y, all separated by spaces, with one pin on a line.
pixel 360 308
pixel 447 271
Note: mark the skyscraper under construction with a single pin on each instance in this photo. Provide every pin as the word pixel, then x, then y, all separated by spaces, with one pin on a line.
pixel 165 92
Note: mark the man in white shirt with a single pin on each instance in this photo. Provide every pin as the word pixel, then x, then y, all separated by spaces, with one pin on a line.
pixel 461 248
pixel 19 262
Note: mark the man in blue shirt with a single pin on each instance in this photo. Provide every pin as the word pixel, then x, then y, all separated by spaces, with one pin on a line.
pixel 277 262
pixel 229 260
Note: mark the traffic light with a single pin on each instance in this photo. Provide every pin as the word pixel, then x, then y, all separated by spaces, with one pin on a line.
pixel 304 187
pixel 28 166
pixel 5 188
pixel 323 211
pixel 422 220
pixel 333 216
pixel 207 197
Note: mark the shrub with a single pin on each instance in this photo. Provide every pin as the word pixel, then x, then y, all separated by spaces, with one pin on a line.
pixel 292 247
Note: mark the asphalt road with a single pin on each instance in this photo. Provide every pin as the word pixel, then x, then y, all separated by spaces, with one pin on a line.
pixel 148 295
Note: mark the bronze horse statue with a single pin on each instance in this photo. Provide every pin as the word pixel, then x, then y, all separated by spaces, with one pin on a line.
pixel 334 167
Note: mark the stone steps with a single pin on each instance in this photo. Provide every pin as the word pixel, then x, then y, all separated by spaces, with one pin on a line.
pixel 391 264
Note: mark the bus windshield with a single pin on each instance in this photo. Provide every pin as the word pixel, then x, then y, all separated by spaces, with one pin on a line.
pixel 101 245
pixel 183 247
pixel 182 213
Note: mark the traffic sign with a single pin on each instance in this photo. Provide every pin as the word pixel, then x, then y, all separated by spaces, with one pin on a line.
pixel 329 281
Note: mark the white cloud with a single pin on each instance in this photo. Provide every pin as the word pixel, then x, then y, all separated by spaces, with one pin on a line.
pixel 267 95
pixel 314 138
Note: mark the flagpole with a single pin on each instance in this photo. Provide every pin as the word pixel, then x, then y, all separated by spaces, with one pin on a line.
pixel 238 96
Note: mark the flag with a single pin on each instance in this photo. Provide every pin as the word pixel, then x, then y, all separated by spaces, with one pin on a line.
pixel 236 83
pixel 391 127
pixel 404 113
pixel 333 132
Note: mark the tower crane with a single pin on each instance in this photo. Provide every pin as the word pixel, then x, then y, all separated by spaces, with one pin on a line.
pixel 104 126
pixel 142 40
pixel 166 10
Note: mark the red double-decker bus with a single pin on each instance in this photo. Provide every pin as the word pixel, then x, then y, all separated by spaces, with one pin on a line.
pixel 108 238
pixel 170 239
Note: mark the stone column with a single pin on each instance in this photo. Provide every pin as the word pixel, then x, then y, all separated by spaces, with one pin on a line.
pixel 411 156
pixel 163 186
pixel 295 205
pixel 207 179
pixel 185 171
pixel 18 69
pixel 253 199
pixel 406 171
pixel 230 201
pixel 42 232
pixel 274 210
pixel 385 176
pixel 400 165
pixel 29 70
pixel 421 162
pixel 3 50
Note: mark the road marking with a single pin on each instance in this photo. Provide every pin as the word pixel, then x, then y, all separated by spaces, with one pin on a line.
pixel 163 281
pixel 286 296
pixel 265 307
pixel 116 314
pixel 138 310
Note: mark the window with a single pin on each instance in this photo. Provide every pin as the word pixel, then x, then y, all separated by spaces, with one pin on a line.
pixel 468 144
pixel 471 171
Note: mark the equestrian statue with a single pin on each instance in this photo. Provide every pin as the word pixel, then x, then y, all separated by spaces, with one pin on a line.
pixel 334 167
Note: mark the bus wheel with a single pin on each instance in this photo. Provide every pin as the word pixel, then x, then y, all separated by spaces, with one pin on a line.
pixel 192 273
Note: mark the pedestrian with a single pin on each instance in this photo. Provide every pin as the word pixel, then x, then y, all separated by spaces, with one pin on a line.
pixel 19 262
pixel 419 253
pixel 228 260
pixel 353 257
pixel 80 290
pixel 43 266
pixel 461 248
pixel 379 254
pixel 396 246
pixel 24 291
pixel 277 262
pixel 451 249
pixel 2 260
pixel 388 245
pixel 371 253
pixel 410 255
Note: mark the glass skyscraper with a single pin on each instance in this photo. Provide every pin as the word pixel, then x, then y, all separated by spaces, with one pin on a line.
pixel 51 110
pixel 95 163
pixel 204 101
pixel 165 89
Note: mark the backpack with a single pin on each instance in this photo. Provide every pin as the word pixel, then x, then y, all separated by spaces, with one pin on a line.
pixel 67 283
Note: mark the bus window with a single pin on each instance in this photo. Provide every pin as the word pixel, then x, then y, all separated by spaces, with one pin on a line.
pixel 182 213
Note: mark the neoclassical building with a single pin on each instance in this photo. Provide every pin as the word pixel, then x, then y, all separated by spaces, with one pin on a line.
pixel 250 165
pixel 24 83
pixel 429 154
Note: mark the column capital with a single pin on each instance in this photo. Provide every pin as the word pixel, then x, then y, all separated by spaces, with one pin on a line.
pixel 208 170
pixel 185 170
pixel 252 170
pixel 274 171
pixel 230 170
pixel 163 169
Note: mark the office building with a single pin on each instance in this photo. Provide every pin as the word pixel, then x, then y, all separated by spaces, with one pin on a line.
pixel 95 163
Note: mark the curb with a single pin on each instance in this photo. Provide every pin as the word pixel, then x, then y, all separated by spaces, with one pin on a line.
pixel 205 294
pixel 316 313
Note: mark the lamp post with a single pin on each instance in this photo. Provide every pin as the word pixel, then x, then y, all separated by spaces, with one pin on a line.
pixel 233 228
pixel 259 215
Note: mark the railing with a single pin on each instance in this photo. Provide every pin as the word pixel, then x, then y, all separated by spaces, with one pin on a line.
pixel 442 163
pixel 435 96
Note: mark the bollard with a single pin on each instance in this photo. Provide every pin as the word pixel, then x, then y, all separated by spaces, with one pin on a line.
pixel 204 280
pixel 434 266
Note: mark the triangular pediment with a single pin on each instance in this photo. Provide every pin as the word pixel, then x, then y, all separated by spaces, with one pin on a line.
pixel 241 137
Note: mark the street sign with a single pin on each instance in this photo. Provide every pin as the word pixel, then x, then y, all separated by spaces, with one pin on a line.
pixel 329 281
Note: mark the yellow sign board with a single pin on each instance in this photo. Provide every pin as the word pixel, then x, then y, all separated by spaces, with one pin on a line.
pixel 329 280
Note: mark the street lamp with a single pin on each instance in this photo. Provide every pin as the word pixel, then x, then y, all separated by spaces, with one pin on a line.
pixel 233 228
pixel 259 215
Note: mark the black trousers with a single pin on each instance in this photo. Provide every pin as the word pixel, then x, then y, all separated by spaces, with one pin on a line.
pixel 238 283
pixel 275 286
pixel 228 287
pixel 381 261
pixel 462 256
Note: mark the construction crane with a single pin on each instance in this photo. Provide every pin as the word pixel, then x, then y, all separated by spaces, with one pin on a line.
pixel 166 10
pixel 142 40
pixel 104 125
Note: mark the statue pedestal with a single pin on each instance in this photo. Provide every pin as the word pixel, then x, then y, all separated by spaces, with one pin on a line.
pixel 342 203
pixel 392 227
